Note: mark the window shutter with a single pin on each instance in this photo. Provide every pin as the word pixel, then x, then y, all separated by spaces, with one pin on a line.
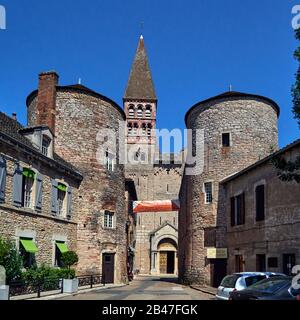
pixel 2 179
pixel 39 191
pixel 18 186
pixel 54 194
pixel 232 211
pixel 69 202
pixel 243 209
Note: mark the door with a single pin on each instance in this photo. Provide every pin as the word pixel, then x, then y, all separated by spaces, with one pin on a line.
pixel 239 263
pixel 108 267
pixel 289 261
pixel 218 271
pixel 261 263
pixel 163 258
pixel 170 262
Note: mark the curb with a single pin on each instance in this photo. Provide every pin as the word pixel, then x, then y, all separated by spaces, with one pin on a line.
pixel 203 290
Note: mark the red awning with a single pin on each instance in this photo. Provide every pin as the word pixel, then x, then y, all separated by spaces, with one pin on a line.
pixel 156 206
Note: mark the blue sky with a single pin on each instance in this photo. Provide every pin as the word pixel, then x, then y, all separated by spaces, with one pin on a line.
pixel 196 49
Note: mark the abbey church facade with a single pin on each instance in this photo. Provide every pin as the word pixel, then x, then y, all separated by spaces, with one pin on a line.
pixel 63 187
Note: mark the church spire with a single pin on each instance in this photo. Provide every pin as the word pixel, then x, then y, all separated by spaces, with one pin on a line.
pixel 140 84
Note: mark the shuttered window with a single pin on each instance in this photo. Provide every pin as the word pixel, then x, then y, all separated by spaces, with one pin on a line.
pixel 61 200
pixel 260 202
pixel 2 179
pixel 237 208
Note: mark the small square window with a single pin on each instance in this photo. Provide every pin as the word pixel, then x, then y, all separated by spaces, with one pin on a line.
pixel 226 139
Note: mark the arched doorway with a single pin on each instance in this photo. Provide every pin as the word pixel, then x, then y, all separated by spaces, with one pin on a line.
pixel 167 252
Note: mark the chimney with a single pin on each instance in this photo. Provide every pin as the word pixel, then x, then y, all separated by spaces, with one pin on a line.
pixel 46 99
pixel 14 116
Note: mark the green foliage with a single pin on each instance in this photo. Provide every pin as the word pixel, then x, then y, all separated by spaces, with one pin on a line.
pixel 10 260
pixel 46 275
pixel 69 258
pixel 287 170
pixel 296 87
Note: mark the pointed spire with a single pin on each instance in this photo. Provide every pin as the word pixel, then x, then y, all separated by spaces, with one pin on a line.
pixel 140 84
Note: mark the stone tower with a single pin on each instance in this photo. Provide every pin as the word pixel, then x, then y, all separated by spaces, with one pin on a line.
pixel 140 105
pixel 239 129
pixel 156 232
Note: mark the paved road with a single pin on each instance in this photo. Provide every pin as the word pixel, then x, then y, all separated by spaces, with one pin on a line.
pixel 145 288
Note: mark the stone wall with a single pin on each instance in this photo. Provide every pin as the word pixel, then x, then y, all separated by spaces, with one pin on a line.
pixel 278 234
pixel 252 124
pixel 42 226
pixel 80 116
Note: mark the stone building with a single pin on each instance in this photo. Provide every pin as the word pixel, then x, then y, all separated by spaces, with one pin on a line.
pixel 81 121
pixel 156 176
pixel 263 216
pixel 39 199
pixel 239 129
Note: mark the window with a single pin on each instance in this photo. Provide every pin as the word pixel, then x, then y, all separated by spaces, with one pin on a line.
pixel 135 129
pixel 108 219
pixel 273 262
pixel 148 112
pixel 140 112
pixel 149 129
pixel 144 129
pixel 61 199
pixel 131 111
pixel 208 192
pixel 226 139
pixel 129 129
pixel 45 145
pixel 143 156
pixel 253 279
pixel 237 208
pixel 109 161
pixel 260 202
pixel 261 262
pixel 27 249
pixel 27 188
pixel 60 248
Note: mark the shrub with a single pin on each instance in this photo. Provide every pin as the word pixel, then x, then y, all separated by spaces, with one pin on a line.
pixel 10 260
pixel 69 259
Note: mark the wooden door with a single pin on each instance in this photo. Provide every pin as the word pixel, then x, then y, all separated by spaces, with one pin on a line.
pixel 108 267
pixel 163 260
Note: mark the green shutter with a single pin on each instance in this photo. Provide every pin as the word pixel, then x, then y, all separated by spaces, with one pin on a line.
pixel 62 187
pixel 29 246
pixel 62 247
pixel 29 173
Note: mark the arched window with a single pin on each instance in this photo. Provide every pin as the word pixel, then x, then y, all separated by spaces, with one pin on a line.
pixel 129 128
pixel 135 129
pixel 149 129
pixel 131 111
pixel 148 111
pixel 140 111
pixel 144 129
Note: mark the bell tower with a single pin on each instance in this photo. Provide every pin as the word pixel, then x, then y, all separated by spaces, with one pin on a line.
pixel 140 104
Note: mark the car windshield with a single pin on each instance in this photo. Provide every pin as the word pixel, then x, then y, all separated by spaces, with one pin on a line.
pixel 230 281
pixel 270 285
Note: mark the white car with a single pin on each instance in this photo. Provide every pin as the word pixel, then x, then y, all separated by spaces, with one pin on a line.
pixel 241 281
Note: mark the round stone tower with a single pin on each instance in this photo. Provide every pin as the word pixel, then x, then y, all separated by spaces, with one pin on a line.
pixel 80 120
pixel 239 129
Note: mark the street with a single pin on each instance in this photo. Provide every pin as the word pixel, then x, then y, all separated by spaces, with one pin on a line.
pixel 145 288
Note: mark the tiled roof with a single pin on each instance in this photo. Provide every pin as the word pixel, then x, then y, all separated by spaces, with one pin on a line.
pixel 140 84
pixel 11 128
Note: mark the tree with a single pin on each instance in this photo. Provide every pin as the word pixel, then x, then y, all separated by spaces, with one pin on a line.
pixel 69 258
pixel 10 260
pixel 290 170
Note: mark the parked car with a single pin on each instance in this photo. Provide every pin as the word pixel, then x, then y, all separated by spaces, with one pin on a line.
pixel 275 288
pixel 241 281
